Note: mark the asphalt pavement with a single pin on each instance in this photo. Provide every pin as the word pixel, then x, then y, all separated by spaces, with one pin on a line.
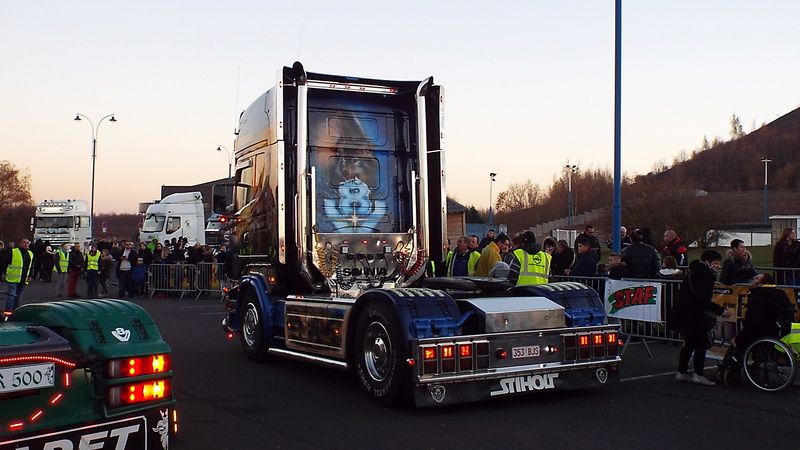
pixel 227 402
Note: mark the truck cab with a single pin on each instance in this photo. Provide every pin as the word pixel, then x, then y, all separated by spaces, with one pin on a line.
pixel 177 215
pixel 338 206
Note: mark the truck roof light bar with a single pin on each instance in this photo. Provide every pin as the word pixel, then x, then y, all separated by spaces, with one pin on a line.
pixel 352 87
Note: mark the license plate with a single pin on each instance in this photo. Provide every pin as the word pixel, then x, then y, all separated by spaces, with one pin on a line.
pixel 27 377
pixel 528 351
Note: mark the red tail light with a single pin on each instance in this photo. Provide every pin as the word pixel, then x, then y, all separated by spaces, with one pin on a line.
pixel 142 365
pixel 131 394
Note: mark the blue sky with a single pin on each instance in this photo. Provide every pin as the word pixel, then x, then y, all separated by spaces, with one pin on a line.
pixel 528 84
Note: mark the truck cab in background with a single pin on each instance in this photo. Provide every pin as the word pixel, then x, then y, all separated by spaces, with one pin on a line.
pixel 175 216
pixel 62 222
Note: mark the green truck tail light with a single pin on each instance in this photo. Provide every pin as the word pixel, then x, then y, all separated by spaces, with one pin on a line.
pixel 135 393
pixel 142 365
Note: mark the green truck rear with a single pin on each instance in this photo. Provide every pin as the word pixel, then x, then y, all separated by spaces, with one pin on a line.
pixel 84 374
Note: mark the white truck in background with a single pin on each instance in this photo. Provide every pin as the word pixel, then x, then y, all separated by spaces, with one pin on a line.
pixel 62 222
pixel 177 216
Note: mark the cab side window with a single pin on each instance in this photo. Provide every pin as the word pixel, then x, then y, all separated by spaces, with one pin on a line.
pixel 173 224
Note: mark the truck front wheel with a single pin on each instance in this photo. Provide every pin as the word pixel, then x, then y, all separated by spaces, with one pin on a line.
pixel 254 343
pixel 380 353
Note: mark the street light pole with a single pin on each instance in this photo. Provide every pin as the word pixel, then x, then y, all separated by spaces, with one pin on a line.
pixel 766 162
pixel 570 169
pixel 230 163
pixel 491 181
pixel 94 157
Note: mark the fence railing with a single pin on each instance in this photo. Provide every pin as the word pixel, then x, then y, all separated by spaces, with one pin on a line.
pixel 670 291
pixel 183 279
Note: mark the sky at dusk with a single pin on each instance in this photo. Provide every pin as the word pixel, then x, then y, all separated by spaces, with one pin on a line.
pixel 529 85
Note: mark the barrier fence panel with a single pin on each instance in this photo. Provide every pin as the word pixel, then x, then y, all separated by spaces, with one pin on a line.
pixel 171 278
pixel 638 328
pixel 210 279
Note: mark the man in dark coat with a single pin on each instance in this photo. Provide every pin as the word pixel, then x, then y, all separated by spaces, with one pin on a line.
pixel 586 265
pixel 766 305
pixel 641 260
pixel 675 248
pixel 594 243
pixel 563 258
pixel 738 266
pixel 688 315
pixel 767 308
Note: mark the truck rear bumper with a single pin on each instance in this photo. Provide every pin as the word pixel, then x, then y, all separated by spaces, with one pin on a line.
pixel 441 392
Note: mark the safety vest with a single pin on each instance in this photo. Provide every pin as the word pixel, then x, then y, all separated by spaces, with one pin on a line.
pixel 472 262
pixel 92 261
pixel 63 261
pixel 793 338
pixel 14 271
pixel 533 269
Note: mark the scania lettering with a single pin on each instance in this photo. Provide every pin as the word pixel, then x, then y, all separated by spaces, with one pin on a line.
pixel 337 208
pixel 84 374
pixel 62 222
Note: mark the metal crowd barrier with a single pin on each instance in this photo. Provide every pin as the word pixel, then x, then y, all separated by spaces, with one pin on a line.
pixel 210 279
pixel 670 291
pixel 183 279
pixel 171 278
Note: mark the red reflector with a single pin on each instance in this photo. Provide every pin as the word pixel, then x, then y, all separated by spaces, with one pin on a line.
pixel 448 351
pixel 429 353
pixel 465 350
pixel 583 340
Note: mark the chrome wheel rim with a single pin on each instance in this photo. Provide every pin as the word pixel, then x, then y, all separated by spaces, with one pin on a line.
pixel 377 351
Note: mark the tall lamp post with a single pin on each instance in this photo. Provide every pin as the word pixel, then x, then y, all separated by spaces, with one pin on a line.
pixel 571 168
pixel 766 162
pixel 491 181
pixel 230 163
pixel 94 158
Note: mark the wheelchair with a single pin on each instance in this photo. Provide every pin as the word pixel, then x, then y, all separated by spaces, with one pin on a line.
pixel 769 363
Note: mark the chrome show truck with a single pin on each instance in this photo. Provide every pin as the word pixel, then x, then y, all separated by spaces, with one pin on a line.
pixel 86 374
pixel 62 222
pixel 337 207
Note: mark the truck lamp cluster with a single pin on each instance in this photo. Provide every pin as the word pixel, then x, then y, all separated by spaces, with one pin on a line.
pixel 133 367
pixel 52 204
pixel 591 345
pixel 454 357
pixel 131 394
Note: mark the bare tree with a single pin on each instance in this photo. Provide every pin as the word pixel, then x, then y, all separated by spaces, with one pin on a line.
pixel 519 196
pixel 736 128
pixel 15 193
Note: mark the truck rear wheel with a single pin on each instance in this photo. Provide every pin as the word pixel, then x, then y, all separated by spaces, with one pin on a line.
pixel 254 343
pixel 380 354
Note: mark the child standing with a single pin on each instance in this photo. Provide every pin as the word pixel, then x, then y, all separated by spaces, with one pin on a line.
pixel 140 276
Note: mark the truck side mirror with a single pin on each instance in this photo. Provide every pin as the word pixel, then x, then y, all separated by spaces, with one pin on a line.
pixel 220 198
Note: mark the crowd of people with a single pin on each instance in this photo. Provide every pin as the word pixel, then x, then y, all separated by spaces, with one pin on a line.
pixel 502 256
pixel 96 263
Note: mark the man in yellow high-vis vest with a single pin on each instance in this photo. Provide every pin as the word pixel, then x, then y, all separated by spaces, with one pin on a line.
pixel 92 264
pixel 18 263
pixel 530 265
pixel 60 268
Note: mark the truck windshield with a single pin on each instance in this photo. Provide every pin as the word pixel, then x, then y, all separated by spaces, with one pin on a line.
pixel 54 222
pixel 153 223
